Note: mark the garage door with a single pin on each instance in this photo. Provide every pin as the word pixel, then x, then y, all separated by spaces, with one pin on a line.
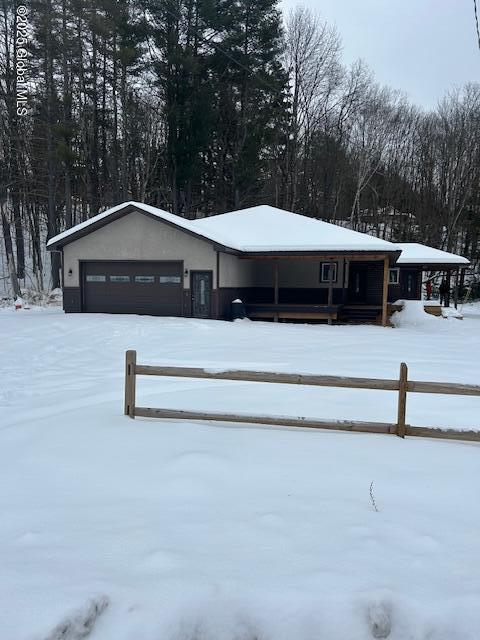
pixel 152 288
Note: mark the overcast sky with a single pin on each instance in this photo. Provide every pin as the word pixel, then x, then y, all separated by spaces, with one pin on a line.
pixel 422 47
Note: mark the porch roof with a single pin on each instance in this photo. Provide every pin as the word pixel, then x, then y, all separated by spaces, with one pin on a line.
pixel 416 254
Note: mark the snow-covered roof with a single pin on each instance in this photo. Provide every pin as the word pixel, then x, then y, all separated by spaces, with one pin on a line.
pixel 415 253
pixel 258 229
pixel 154 211
pixel 268 229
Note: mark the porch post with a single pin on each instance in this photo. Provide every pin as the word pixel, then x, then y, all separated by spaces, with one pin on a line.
pixel 275 289
pixel 330 288
pixel 455 291
pixel 386 267
pixel 218 287
pixel 346 269
pixel 449 284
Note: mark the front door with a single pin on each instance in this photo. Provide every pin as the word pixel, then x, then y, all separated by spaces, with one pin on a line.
pixel 357 284
pixel 409 284
pixel 201 294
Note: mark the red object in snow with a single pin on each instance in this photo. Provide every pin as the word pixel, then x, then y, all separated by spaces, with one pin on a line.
pixel 429 289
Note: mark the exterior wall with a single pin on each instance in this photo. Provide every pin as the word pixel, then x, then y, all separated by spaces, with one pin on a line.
pixel 234 272
pixel 135 236
pixel 305 274
pixel 399 291
pixel 253 282
pixel 298 274
pixel 72 299
pixel 374 283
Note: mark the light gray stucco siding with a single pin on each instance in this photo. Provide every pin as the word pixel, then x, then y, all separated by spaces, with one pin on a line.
pixel 236 272
pixel 135 236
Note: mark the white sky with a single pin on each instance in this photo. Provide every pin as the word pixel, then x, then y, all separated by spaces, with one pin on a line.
pixel 422 47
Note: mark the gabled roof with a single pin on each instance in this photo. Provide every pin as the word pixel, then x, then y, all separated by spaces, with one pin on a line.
pixel 101 219
pixel 421 254
pixel 261 229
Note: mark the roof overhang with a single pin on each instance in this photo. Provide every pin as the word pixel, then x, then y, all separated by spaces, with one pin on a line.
pixel 366 256
pixel 120 213
pixel 435 266
pixel 272 255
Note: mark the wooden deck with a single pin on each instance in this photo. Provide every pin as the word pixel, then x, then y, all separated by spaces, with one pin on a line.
pixel 433 309
pixel 350 313
pixel 293 311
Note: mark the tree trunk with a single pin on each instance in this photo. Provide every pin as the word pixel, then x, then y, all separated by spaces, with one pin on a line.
pixel 9 252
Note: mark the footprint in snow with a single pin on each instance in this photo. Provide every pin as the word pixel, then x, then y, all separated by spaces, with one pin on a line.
pixel 379 618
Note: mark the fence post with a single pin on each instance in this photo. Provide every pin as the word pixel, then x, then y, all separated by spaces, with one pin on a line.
pixel 402 400
pixel 130 364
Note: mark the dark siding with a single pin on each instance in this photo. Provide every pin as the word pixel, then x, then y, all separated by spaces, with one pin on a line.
pixel 72 299
pixel 309 296
pixel 187 303
pixel 394 292
pixel 225 298
pixel 259 295
pixel 399 291
pixel 374 282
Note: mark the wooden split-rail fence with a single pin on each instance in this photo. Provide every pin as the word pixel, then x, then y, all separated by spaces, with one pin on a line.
pixel 402 385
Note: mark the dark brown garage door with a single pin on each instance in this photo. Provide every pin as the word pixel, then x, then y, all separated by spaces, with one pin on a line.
pixel 151 288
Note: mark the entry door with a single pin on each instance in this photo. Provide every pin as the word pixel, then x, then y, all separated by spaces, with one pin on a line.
pixel 201 294
pixel 357 284
pixel 409 283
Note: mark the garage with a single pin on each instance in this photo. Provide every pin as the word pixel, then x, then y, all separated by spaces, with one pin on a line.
pixel 148 288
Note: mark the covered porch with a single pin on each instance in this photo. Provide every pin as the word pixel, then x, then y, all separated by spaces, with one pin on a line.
pixel 452 278
pixel 319 287
pixel 441 276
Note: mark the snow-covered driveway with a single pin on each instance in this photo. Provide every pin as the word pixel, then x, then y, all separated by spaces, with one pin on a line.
pixel 210 532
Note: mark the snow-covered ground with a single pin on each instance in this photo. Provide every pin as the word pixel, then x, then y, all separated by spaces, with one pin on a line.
pixel 198 531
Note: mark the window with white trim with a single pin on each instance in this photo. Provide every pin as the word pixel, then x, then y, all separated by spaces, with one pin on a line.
pixel 394 276
pixel 328 272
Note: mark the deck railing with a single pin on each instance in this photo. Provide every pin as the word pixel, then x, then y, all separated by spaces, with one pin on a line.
pixel 402 386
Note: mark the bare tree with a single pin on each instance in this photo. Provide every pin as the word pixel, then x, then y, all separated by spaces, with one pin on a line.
pixel 313 60
pixel 370 136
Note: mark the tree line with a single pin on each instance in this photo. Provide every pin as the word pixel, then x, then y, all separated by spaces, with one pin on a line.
pixel 204 106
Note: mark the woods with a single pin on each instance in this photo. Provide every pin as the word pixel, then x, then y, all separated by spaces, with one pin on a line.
pixel 204 106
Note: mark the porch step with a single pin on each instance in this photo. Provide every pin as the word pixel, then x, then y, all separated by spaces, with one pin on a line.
pixel 361 314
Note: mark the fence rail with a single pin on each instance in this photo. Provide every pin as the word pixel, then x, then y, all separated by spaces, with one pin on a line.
pixel 402 385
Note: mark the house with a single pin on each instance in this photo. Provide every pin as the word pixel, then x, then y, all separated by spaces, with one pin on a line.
pixel 135 258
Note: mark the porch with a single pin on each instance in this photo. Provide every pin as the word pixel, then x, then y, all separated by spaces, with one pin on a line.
pixel 317 287
pixel 293 311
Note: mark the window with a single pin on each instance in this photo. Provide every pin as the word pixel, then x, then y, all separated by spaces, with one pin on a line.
pixel 394 276
pixel 119 278
pixel 356 286
pixel 170 280
pixel 325 274
pixel 409 283
pixel 145 279
pixel 96 278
